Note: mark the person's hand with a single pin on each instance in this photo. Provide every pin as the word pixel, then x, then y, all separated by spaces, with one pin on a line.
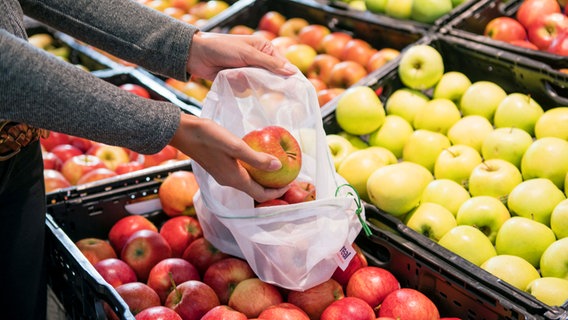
pixel 216 149
pixel 213 52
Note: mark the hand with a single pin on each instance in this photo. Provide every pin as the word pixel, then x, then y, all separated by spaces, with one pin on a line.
pixel 216 149
pixel 213 52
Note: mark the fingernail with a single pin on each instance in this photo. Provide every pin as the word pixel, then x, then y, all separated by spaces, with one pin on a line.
pixel 275 165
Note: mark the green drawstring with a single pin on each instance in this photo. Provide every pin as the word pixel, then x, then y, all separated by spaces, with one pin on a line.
pixel 357 200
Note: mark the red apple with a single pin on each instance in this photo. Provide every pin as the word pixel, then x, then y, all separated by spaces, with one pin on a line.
pixel 300 191
pixel 271 21
pixel 346 73
pixel 95 249
pixel 251 296
pixel 179 232
pixel 82 143
pixel 408 303
pixel 224 275
pixel 283 311
pixel 348 308
pixel 167 153
pixel 505 29
pixel 283 43
pixel 291 27
pixel 241 29
pixel 135 89
pixel 54 180
pixel 530 10
pixel 321 67
pixel 208 9
pixel 314 300
pixel 326 95
pixel 270 203
pixel 357 50
pixel 371 284
pixel 54 139
pixel 158 313
pixel 224 312
pixel 357 262
pixel 313 35
pixel 176 193
pixel 192 299
pixel 380 58
pixel 111 156
pixel 77 166
pixel 65 151
pixel 51 161
pixel 334 43
pixel 122 229
pixel 96 174
pixel 115 271
pixel 318 84
pixel 524 44
pixel 129 166
pixel 201 254
pixel 545 29
pixel 143 250
pixel 138 296
pixel 169 272
pixel 559 45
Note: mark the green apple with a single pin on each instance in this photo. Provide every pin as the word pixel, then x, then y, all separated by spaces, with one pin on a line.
pixel 559 219
pixel 397 188
pixel 392 135
pixel 358 166
pixel 428 11
pixel 421 66
pixel 482 98
pixel 431 220
pixel 376 6
pixel 525 238
pixel 518 110
pixel 359 111
pixel 470 130
pixel 406 102
pixel 424 147
pixel 451 86
pixel 494 177
pixel 550 290
pixel 546 158
pixel 358 5
pixel 339 148
pixel 456 3
pixel 469 243
pixel 514 270
pixel 447 193
pixel 554 260
pixel 506 143
pixel 385 153
pixel 486 213
pixel 400 9
pixel 535 199
pixel 456 163
pixel 552 123
pixel 438 115
pixel 355 140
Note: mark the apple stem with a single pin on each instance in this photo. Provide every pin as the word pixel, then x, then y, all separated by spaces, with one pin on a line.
pixel 450 151
pixel 174 286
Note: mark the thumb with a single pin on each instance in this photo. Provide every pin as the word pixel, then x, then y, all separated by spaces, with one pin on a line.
pixel 261 160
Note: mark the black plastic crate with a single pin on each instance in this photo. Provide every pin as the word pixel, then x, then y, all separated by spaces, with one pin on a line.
pixel 471 24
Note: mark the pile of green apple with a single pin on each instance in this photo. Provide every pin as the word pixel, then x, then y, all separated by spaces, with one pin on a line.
pixel 480 171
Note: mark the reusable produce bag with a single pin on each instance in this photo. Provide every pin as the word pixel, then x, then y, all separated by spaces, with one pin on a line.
pixel 295 246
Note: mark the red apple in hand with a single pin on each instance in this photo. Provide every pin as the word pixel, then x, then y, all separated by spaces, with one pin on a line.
pixel 158 313
pixel 125 227
pixel 95 249
pixel 224 312
pixel 545 29
pixel 176 193
pixel 224 275
pixel 138 296
pixel 372 284
pixel 505 29
pixel 192 299
pixel 348 308
pixel 314 300
pixel 201 254
pixel 300 191
pixel 169 272
pixel 407 303
pixel 357 262
pixel 279 142
pixel 115 271
pixel 77 166
pixel 283 310
pixel 251 296
pixel 179 232
pixel 143 250
pixel 54 180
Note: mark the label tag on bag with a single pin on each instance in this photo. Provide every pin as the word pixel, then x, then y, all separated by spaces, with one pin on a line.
pixel 344 256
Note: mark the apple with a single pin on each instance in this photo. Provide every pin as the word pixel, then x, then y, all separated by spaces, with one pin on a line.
pixel 300 191
pixel 506 143
pixel 431 220
pixel 115 271
pixel 406 103
pixel 424 146
pixel 470 130
pixel 315 299
pixel 280 143
pixel 179 232
pixel 129 166
pixel 512 269
pixel 301 55
pixel 544 29
pixel 318 84
pixel 519 111
pixel 283 310
pixel 208 9
pixel 95 249
pixel 135 89
pixel 313 35
pixel 358 261
pixel 446 193
pixel 138 296
pixel 559 219
pixel 224 275
pixel 438 115
pixel 169 272
pixel 451 86
pixel 192 299
pixel 372 284
pixel 346 74
pixel 251 296
pixel 111 156
pixel 321 67
pixel 357 50
pixel 54 139
pixel 96 174
pixel 462 238
pixel 505 29
pixel 51 161
pixel 535 199
pixel 428 11
pixel 523 44
pixel 201 254
pixel 241 29
pixel 77 166
pixel 376 6
pixel 525 238
pixel 82 143
pixel 399 9
pixel 397 188
pixel 224 312
pixel 143 250
pixel 122 229
pixel 550 290
pixel 326 95
pixel 546 158
pixel 494 177
pixel 358 166
pixel 271 21
pixel 270 203
pixel 348 308
pixel 386 154
pixel 486 213
pixel 292 27
pixel 408 303
pixel 551 124
pixel 65 151
pixel 554 259
pixel 159 313
pixel 420 67
pixel 456 163
pixel 380 57
pixel 54 180
pixel 392 134
pixel 334 43
pixel 530 10
pixel 559 45
pixel 167 153
pixel 482 98
pixel 176 193
pixel 359 111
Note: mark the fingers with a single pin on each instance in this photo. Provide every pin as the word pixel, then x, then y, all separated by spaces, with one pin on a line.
pixel 270 59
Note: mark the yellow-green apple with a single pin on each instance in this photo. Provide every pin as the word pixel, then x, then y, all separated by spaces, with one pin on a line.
pixel 357 141
pixel 167 153
pixel 224 312
pixel 251 296
pixel 334 43
pixel 518 110
pixel 376 6
pixel 431 219
pixel 428 11
pixel 123 228
pixel 96 174
pixel 77 166
pixel 224 275
pixel 358 261
pixel 279 142
pixel 505 29
pixel 271 21
pixel 530 10
pixel 339 148
pixel 315 299
pixel 143 250
pixel 470 130
pixel 408 303
pixel 168 273
pixel 346 74
pixel 486 213
pixel 462 238
pixel 326 95
pixel 447 193
pixel 160 312
pixel 451 86
pixel 65 151
pixel 41 40
pixel 535 199
pixel 456 163
pixel 359 111
pixel 380 57
pixel 201 254
pixel 546 28
pixel 95 249
pixel 115 271
pixel 406 103
pixel 357 50
pixel 525 238
pixel 438 115
pixel 421 66
pixel 284 310
pixel 176 193
pixel 358 166
pixel 559 220
pixel 208 9
pixel 494 177
pixel 392 135
pixel 240 29
pixel 506 143
pixel 551 124
pixel 301 55
pixel 348 308
pixel 299 191
pixel 54 180
pixel 554 260
pixel 399 9
pixel 372 284
pixel 397 188
pixel 54 139
pixel 192 299
pixel 482 98
pixel 424 146
pixel 313 35
pixel 179 232
pixel 291 27
pixel 550 290
pixel 321 67
pixel 111 156
pixel 385 153
pixel 138 296
pixel 512 269
pixel 546 158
